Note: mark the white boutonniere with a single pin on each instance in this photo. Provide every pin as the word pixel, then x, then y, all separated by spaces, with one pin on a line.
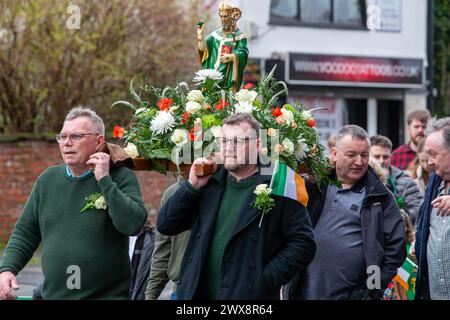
pixel 95 201
pixel 263 200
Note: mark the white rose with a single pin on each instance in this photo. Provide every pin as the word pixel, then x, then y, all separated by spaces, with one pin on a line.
pixel 193 107
pixel 288 146
pixel 179 137
pixel 262 189
pixel 306 115
pixel 245 95
pixel 131 150
pixel 264 151
pixel 196 96
pixel 287 116
pixel 100 203
pixel 216 131
pixel 244 106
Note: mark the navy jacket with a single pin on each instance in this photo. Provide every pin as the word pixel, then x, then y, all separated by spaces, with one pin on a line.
pixel 422 234
pixel 257 260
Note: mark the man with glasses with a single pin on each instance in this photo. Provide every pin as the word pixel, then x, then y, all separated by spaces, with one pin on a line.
pixel 84 252
pixel 235 251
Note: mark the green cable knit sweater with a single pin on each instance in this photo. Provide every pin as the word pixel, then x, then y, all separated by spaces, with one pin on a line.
pixel 95 241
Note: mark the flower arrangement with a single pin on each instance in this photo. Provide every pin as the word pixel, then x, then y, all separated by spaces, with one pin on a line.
pixel 184 123
pixel 95 201
pixel 263 201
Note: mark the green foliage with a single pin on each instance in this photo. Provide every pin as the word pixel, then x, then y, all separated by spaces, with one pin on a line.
pixel 91 201
pixel 264 203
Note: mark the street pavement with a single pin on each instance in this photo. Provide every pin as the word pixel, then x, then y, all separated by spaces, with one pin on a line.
pixel 30 277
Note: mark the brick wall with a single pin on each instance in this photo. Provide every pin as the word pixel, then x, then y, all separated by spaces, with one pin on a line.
pixel 22 162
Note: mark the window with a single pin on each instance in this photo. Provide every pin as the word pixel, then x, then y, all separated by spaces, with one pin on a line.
pixel 315 11
pixel 285 9
pixel 320 13
pixel 348 12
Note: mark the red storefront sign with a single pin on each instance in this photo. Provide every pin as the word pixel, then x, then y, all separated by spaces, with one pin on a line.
pixel 354 71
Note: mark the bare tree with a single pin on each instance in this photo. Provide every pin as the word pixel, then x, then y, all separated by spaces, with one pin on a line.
pixel 47 67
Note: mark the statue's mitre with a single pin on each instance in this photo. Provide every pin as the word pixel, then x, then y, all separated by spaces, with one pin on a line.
pixel 226 7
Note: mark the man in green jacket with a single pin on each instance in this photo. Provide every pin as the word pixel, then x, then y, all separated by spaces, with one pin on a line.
pixel 82 213
pixel 167 255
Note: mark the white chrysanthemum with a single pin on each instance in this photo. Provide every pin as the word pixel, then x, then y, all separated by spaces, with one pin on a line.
pixel 262 189
pixel 180 137
pixel 306 115
pixel 193 107
pixel 162 122
pixel 196 96
pixel 301 149
pixel 202 75
pixel 131 150
pixel 287 116
pixel 288 146
pixel 244 106
pixel 100 203
pixel 245 95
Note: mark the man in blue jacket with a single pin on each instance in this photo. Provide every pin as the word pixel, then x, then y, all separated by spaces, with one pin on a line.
pixel 433 234
pixel 232 253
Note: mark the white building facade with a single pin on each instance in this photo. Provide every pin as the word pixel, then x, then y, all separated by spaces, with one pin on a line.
pixel 365 60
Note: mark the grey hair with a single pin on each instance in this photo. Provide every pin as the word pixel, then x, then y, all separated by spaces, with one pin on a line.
pixel 435 124
pixel 82 111
pixel 356 132
pixel 237 118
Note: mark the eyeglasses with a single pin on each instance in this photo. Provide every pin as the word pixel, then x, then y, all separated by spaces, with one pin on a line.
pixel 239 142
pixel 74 137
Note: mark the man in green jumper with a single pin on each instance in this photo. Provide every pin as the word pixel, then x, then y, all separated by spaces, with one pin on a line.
pixel 234 252
pixel 84 254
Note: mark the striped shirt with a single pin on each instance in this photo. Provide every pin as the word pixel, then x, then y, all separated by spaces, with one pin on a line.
pixel 438 253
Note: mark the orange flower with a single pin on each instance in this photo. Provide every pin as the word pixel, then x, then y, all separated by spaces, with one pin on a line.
pixel 278 148
pixel 271 132
pixel 311 123
pixel 186 116
pixel 191 135
pixel 164 104
pixel 280 121
pixel 118 132
pixel 221 105
pixel 249 86
pixel 277 112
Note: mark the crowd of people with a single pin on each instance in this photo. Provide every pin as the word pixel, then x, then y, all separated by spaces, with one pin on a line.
pixel 351 241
